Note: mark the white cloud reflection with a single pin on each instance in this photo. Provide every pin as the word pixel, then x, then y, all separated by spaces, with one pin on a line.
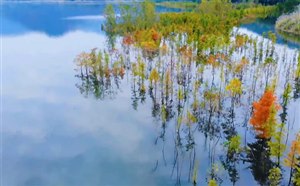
pixel 47 120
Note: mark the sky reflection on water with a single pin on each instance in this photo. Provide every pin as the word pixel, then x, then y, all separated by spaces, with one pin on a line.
pixel 52 135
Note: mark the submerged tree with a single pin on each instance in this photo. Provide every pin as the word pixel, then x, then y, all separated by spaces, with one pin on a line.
pixel 232 158
pixel 274 176
pixel 297 80
pixel 264 115
pixel 292 160
pixel 171 56
pixel 276 144
pixel 110 26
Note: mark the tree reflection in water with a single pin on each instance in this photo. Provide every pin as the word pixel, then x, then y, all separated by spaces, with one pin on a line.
pixel 260 160
pixel 209 92
pixel 98 76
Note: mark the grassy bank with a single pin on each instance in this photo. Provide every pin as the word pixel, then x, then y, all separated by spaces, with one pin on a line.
pixel 276 10
pixel 289 23
pixel 179 5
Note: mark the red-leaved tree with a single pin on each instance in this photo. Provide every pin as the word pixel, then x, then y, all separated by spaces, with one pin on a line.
pixel 264 114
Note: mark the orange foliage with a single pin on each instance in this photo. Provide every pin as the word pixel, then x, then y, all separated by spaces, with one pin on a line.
pixel 128 40
pixel 151 35
pixel 213 60
pixel 263 119
pixel 291 159
pixel 221 56
pixel 122 72
pixel 155 35
pixel 203 38
pixel 117 71
pixel 138 35
pixel 148 40
pixel 240 66
pixel 240 40
pixel 164 49
pixel 186 51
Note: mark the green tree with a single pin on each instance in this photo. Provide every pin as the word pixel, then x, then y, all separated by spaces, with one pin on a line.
pixel 274 176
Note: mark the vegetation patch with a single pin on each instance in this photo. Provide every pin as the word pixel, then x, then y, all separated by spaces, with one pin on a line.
pixel 179 5
pixel 201 77
pixel 289 23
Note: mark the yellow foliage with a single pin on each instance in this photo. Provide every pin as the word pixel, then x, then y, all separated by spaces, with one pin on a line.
pixel 292 159
pixel 235 87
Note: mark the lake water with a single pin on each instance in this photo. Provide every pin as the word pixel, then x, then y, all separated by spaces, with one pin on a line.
pixel 54 135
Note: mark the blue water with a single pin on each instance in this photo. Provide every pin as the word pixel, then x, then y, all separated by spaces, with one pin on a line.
pixel 263 26
pixel 48 18
pixel 52 134
pixel 54 19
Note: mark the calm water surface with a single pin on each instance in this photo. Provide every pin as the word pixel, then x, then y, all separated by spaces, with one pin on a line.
pixel 53 135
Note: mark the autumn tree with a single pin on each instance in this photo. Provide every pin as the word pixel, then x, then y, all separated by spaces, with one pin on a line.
pixel 276 144
pixel 264 114
pixel 154 79
pixel 235 87
pixel 297 79
pixel 292 160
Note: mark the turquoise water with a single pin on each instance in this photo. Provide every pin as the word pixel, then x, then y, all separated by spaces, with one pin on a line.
pixel 54 135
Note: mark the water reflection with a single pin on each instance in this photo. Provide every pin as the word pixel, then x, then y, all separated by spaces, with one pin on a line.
pixel 290 37
pixel 57 136
pixel 54 19
pixel 50 18
pixel 260 161
pixel 188 97
pixel 52 135
pixel 261 26
pixel 105 78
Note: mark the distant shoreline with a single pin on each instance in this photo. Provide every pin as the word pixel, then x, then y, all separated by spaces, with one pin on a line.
pixel 68 1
